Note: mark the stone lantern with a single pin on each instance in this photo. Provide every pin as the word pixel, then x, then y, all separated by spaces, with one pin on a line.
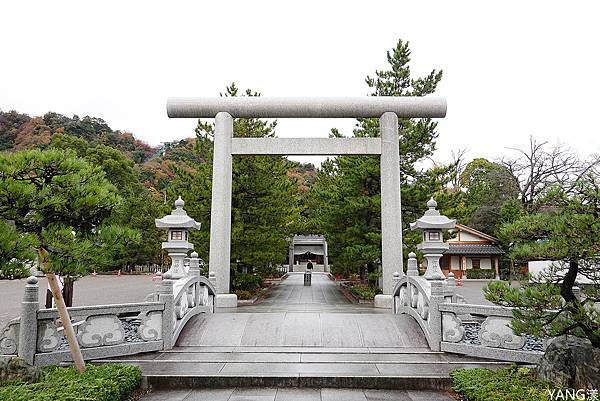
pixel 433 246
pixel 177 224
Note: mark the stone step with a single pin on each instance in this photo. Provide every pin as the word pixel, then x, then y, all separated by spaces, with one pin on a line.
pixel 289 394
pixel 196 367
pixel 301 358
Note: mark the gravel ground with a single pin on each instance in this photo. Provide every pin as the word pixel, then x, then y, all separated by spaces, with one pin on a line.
pixel 87 291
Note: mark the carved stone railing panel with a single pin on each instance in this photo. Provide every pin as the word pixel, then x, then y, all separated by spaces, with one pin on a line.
pixel 100 330
pixel 452 329
pixel 403 296
pixel 496 332
pixel 422 305
pixel 9 338
pixel 48 338
pixel 485 331
pixel 150 328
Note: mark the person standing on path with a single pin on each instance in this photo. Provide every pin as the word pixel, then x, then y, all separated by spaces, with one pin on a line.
pixel 309 265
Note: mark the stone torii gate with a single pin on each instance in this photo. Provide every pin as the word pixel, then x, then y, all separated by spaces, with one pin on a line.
pixel 225 109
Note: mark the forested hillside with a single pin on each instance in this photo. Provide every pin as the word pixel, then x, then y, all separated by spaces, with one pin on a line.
pixel 146 178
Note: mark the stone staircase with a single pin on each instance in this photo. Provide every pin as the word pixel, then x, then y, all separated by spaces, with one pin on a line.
pixel 315 367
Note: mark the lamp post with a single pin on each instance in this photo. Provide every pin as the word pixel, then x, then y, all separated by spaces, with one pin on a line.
pixel 177 224
pixel 433 246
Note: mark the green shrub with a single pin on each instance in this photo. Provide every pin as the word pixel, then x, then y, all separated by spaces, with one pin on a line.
pixel 508 384
pixel 363 291
pixel 98 383
pixel 242 294
pixel 247 282
pixel 481 273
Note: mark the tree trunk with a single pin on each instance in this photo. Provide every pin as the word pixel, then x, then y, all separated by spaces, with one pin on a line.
pixel 566 291
pixel 68 291
pixel 63 313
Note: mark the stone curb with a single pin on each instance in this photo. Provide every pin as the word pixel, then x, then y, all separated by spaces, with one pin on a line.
pixel 365 382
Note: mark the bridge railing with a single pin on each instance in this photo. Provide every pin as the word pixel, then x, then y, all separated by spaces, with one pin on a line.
pixel 451 325
pixel 104 331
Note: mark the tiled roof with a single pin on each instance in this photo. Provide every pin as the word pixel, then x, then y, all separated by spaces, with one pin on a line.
pixel 473 249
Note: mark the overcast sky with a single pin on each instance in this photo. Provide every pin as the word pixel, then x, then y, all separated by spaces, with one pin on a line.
pixel 511 68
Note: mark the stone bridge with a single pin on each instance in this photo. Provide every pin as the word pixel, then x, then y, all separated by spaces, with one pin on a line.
pixel 297 336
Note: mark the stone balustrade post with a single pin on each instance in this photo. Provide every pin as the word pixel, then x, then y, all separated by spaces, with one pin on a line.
pixel 166 296
pixel 212 277
pixel 195 272
pixel 450 284
pixel 412 269
pixel 450 281
pixel 194 265
pixel 435 316
pixel 395 279
pixel 28 322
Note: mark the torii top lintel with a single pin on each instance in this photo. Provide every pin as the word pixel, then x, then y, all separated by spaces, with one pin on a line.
pixel 307 107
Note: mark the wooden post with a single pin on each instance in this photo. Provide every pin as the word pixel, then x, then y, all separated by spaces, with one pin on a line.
pixel 497 268
pixel 63 313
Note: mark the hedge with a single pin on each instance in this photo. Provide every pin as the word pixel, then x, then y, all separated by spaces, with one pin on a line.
pixel 481 273
pixel 508 384
pixel 97 383
pixel 363 292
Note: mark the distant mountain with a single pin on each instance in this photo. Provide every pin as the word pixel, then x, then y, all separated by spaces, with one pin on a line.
pixel 19 131
pixel 156 165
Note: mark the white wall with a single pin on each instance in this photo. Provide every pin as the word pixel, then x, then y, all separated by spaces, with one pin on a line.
pixel 464 236
pixel 538 266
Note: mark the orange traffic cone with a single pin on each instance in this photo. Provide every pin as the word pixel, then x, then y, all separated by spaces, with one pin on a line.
pixel 458 282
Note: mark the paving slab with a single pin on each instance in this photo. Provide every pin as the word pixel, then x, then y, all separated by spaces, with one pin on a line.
pixel 298 394
pixel 167 395
pixel 302 329
pixel 216 394
pixel 342 394
pixel 387 395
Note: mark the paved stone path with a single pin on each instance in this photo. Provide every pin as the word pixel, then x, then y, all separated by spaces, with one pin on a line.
pixel 295 315
pixel 295 394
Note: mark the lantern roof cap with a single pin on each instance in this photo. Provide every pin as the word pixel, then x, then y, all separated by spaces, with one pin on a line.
pixel 432 219
pixel 178 218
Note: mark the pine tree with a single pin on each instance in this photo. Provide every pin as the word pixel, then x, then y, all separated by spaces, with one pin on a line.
pixel 265 197
pixel 61 201
pixel 566 231
pixel 346 199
